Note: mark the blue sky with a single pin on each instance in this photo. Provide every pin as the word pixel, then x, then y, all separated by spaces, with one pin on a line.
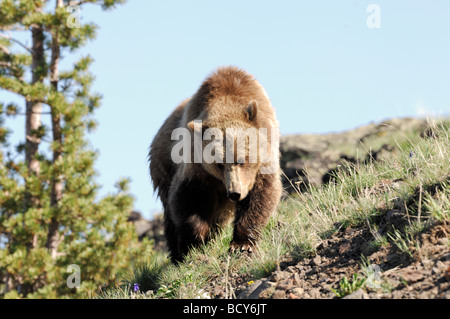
pixel 323 68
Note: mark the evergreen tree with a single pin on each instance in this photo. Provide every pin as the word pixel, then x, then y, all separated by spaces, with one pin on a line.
pixel 49 215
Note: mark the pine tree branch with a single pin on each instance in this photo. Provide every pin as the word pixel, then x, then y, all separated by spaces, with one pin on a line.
pixel 80 2
pixel 4 49
pixel 21 113
pixel 9 89
pixel 8 65
pixel 10 38
pixel 13 28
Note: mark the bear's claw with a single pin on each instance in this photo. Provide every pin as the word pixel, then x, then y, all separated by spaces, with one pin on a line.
pixel 241 247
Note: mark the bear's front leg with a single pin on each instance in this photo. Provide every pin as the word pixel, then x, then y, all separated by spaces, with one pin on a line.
pixel 192 233
pixel 253 212
pixel 191 205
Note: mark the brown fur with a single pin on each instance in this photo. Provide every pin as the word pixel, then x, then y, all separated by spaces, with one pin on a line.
pixel 196 196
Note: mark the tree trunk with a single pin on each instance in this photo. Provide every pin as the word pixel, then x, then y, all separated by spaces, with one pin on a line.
pixel 57 183
pixel 33 114
pixel 34 109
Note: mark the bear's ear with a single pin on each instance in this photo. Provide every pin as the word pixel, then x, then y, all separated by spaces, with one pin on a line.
pixel 250 110
pixel 191 125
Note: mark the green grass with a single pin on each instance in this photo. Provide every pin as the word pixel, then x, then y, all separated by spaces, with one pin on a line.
pixel 346 287
pixel 421 166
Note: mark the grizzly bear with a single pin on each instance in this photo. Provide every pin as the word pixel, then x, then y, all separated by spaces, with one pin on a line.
pixel 201 186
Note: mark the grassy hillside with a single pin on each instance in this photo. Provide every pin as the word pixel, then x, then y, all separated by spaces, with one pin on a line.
pixel 311 159
pixel 382 212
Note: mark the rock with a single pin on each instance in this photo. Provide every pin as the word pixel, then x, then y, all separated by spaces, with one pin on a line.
pixel 445 295
pixel 323 244
pixel 292 296
pixel 292 269
pixel 279 294
pixel 440 265
pixel 285 284
pixel 142 225
pixel 298 291
pixel 261 289
pixel 152 229
pixel 296 280
pixel 344 247
pixel 411 275
pixel 316 260
pixel 435 270
pixel 278 275
pixel 249 290
pixel 358 294
pixel 314 293
pixel 397 294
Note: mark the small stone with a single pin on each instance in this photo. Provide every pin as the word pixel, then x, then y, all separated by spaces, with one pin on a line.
pixel 317 260
pixel 292 296
pixel 397 294
pixel 296 280
pixel 358 294
pixel 344 248
pixel 298 291
pixel 445 295
pixel 250 290
pixel 278 275
pixel 314 293
pixel 264 290
pixel 285 284
pixel 292 269
pixel 410 275
pixel 299 266
pixel 440 264
pixel 323 244
pixel 435 270
pixel 279 294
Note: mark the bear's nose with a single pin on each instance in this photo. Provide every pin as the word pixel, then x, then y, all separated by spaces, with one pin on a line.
pixel 234 196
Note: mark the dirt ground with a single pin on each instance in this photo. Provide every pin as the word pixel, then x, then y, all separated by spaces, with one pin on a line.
pixel 390 273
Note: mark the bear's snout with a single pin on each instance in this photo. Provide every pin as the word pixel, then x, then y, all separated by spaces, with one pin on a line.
pixel 233 183
pixel 234 196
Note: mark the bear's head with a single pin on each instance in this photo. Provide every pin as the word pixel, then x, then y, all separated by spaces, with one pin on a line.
pixel 233 148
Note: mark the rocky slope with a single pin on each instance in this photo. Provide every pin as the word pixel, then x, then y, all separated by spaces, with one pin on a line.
pixel 395 275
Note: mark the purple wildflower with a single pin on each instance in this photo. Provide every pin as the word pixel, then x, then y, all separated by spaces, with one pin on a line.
pixel 136 287
pixel 411 154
